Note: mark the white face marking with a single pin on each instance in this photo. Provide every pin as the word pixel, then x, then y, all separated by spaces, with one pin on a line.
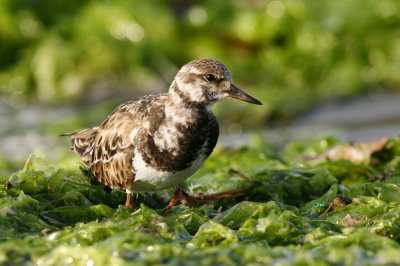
pixel 196 93
pixel 191 69
pixel 192 90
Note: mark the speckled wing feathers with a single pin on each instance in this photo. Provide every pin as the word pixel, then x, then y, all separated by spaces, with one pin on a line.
pixel 81 142
pixel 108 149
pixel 112 151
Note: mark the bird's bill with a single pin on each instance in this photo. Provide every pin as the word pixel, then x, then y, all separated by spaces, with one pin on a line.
pixel 235 92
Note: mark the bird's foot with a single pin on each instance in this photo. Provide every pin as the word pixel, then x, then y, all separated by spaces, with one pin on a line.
pixel 182 197
pixel 226 194
pixel 234 192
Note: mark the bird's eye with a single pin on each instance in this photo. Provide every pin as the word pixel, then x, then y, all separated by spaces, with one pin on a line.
pixel 210 77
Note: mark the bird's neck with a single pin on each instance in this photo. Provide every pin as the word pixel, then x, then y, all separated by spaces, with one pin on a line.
pixel 180 108
pixel 183 118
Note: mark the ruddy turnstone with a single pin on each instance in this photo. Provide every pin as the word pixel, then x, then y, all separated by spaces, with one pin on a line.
pixel 158 141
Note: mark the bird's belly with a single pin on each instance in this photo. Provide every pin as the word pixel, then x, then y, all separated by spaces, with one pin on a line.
pixel 148 178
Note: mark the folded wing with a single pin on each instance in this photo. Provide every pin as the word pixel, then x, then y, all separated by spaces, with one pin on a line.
pixel 108 150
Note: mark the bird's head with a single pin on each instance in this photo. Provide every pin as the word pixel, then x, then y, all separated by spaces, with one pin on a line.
pixel 205 81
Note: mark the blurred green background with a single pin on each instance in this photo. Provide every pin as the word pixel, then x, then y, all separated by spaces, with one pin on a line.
pixel 88 56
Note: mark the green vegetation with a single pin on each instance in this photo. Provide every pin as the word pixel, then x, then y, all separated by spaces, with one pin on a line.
pixel 303 211
pixel 312 204
pixel 290 54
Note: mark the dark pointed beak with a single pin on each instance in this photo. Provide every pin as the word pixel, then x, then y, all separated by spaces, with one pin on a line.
pixel 235 92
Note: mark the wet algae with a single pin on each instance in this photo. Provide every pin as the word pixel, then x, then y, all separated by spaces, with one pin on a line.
pixel 301 212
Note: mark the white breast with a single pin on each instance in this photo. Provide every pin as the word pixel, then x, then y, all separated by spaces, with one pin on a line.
pixel 150 179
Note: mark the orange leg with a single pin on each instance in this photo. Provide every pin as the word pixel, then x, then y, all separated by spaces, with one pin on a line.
pixel 128 201
pixel 175 198
pixel 234 192
pixel 183 197
pixel 180 196
pixel 226 194
pixel 189 197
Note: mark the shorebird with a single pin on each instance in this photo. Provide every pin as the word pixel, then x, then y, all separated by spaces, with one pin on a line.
pixel 158 141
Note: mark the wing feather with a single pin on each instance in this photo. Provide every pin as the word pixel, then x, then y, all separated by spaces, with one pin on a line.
pixel 108 149
pixel 82 142
pixel 113 151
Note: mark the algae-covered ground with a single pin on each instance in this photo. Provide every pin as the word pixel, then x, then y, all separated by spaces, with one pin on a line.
pixel 308 205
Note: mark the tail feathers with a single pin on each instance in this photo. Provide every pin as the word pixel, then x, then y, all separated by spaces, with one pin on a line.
pixel 79 145
pixel 81 134
pixel 82 143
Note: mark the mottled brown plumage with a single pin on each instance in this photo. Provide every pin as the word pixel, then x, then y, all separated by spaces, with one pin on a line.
pixel 159 140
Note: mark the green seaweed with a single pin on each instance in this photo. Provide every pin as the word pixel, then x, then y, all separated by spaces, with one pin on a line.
pixel 296 213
